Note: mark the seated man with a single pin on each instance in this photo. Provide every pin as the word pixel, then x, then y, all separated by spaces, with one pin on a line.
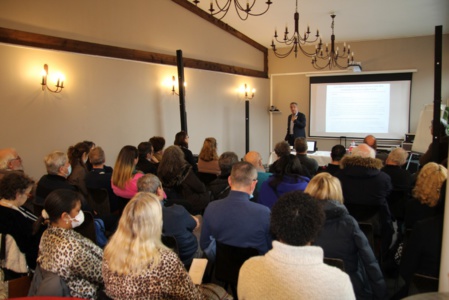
pixel 337 153
pixel 371 141
pixel 220 187
pixel 254 158
pixel 235 220
pixel 280 149
pixel 177 222
pixel 9 161
pixel 301 152
pixel 58 169
pixel 293 269
pixel 145 163
pixel 100 176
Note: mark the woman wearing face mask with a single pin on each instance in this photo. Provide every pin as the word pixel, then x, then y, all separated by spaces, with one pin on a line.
pixel 65 252
pixel 78 156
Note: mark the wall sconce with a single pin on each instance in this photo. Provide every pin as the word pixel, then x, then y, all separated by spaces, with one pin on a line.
pixel 248 94
pixel 174 84
pixel 59 84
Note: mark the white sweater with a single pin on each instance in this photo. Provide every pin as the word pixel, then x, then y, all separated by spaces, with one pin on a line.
pixel 289 272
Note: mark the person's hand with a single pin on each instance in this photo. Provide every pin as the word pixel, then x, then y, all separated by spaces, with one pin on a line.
pixel 294 117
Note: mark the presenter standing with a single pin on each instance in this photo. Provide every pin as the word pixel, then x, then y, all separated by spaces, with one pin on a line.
pixel 296 124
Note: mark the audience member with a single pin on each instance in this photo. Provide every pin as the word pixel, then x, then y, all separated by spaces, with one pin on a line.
pixel 9 161
pixel 180 182
pixel 293 269
pixel 442 145
pixel 125 175
pixel 17 222
pixel 280 149
pixel 401 181
pixel 371 141
pixel 220 187
pixel 342 238
pixel 100 176
pixel 78 156
pixel 58 169
pixel 145 268
pixel 235 220
pixel 337 153
pixel 365 190
pixel 177 222
pixel 182 141
pixel 145 163
pixel 425 194
pixel 301 152
pixel 158 143
pixel 208 158
pixel 254 158
pixel 63 251
pixel 286 178
pixel 91 147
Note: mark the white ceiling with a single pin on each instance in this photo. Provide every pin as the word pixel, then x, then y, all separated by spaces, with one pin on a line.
pixel 356 20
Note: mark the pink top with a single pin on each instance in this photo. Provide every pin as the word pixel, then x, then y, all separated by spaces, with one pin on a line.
pixel 130 187
pixel 211 167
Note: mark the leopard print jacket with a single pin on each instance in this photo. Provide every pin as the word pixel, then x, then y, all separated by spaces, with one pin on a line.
pixel 73 257
pixel 168 280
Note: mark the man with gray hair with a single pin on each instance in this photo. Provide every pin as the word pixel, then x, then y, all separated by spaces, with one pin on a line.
pixel 365 190
pixel 235 220
pixel 9 161
pixel 58 169
pixel 177 222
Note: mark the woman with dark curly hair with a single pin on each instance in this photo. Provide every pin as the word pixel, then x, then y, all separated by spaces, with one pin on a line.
pixel 287 176
pixel 180 182
pixel 78 156
pixel 16 222
pixel 182 141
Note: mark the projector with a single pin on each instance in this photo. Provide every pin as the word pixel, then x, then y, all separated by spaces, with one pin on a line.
pixel 355 67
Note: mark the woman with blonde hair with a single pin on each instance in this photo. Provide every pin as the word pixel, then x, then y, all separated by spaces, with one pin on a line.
pixel 426 194
pixel 208 158
pixel 342 238
pixel 136 265
pixel 125 175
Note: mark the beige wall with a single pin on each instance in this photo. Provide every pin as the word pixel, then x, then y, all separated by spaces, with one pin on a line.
pixel 117 102
pixel 290 83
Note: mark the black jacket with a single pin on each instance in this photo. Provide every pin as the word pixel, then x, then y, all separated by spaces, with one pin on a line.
pixel 342 238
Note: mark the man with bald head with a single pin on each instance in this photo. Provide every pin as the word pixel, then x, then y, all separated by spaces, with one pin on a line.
pixel 254 158
pixel 366 189
pixel 9 161
pixel 371 141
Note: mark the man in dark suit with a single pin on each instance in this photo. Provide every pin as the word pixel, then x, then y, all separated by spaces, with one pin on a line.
pixel 296 124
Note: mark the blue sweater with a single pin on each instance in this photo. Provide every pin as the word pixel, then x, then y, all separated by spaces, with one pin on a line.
pixel 268 195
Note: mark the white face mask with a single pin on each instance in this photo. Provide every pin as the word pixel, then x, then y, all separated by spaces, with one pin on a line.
pixel 69 170
pixel 78 220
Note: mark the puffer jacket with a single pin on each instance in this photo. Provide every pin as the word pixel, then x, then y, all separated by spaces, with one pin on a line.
pixel 342 238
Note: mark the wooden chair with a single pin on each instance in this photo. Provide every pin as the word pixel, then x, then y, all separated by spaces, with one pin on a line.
pixel 423 284
pixel 335 262
pixel 100 201
pixel 87 229
pixel 228 261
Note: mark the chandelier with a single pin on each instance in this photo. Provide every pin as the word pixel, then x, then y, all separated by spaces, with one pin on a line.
pixel 296 41
pixel 330 58
pixel 242 11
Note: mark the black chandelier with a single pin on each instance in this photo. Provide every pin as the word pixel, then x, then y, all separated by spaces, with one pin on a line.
pixel 243 11
pixel 330 58
pixel 296 41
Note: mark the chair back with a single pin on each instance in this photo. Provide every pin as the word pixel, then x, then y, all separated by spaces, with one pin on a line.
pixel 335 262
pixel 87 229
pixel 423 284
pixel 100 201
pixel 228 261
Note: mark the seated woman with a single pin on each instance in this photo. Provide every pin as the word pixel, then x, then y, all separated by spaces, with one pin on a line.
pixel 65 252
pixel 180 182
pixel 17 222
pixel 145 268
pixel 125 175
pixel 145 163
pixel 158 143
pixel 182 141
pixel 342 238
pixel 425 194
pixel 78 156
pixel 208 158
pixel 286 178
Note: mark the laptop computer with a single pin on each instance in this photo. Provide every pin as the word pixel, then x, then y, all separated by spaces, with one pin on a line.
pixel 311 147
